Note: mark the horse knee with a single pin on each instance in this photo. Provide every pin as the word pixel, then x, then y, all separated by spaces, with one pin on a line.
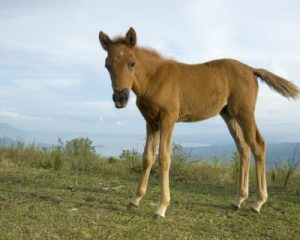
pixel 164 162
pixel 256 143
pixel 147 161
pixel 244 151
pixel 259 150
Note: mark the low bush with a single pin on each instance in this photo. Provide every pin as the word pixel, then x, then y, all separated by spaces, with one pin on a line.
pixel 79 155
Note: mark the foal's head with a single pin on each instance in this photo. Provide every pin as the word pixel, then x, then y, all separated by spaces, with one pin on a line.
pixel 120 63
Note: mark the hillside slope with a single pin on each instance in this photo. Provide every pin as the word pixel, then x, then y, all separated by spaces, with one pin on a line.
pixel 47 204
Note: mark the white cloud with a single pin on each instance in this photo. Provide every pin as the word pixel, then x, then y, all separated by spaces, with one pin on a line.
pixel 8 115
pixel 277 68
pixel 97 105
pixel 101 119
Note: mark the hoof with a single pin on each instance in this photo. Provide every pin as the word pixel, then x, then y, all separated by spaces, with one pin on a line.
pixel 255 209
pixel 237 202
pixel 256 206
pixel 157 216
pixel 131 206
pixel 234 206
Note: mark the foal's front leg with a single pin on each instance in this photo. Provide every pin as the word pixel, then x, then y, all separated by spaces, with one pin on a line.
pixel 148 160
pixel 166 130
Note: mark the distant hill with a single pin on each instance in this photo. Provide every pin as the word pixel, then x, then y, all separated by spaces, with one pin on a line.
pixel 275 152
pixel 8 130
pixel 11 136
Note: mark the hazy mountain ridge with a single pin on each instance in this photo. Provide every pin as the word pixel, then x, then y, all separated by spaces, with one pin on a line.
pixel 113 144
pixel 8 130
pixel 276 152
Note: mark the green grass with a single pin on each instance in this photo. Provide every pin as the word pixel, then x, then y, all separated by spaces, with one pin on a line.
pixel 70 192
pixel 38 203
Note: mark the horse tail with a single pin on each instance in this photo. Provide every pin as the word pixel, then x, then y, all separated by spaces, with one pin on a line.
pixel 279 84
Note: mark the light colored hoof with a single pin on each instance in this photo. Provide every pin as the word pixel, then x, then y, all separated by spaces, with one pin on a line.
pixel 157 216
pixel 235 206
pixel 257 206
pixel 255 209
pixel 160 212
pixel 131 206
pixel 135 201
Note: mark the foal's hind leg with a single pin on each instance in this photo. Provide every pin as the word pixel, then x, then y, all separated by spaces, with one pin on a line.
pixel 244 153
pixel 258 148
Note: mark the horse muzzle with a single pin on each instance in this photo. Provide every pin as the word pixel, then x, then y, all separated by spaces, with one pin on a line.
pixel 120 97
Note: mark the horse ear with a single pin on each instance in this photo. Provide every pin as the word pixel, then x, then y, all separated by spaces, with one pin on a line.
pixel 131 37
pixel 104 40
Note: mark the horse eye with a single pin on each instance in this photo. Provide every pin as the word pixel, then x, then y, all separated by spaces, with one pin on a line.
pixel 131 64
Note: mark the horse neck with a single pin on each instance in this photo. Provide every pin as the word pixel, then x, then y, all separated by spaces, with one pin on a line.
pixel 148 63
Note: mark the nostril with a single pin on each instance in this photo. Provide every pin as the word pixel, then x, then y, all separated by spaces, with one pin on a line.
pixel 125 95
pixel 115 97
pixel 121 96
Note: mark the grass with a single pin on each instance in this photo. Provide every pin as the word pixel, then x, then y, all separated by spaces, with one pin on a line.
pixel 48 204
pixel 64 194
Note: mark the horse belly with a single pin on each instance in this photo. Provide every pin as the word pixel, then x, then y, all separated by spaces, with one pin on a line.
pixel 203 105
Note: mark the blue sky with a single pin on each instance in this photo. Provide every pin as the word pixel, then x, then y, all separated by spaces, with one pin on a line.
pixel 52 75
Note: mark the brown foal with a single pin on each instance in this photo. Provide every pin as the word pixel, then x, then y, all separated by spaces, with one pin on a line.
pixel 169 91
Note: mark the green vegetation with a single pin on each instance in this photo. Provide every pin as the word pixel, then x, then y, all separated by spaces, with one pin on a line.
pixel 70 192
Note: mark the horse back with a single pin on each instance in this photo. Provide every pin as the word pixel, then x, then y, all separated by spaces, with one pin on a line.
pixel 205 89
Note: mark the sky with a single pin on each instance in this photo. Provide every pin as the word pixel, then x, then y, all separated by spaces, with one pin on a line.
pixel 52 75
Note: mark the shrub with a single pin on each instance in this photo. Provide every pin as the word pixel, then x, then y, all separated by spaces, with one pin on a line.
pixel 133 159
pixel 79 155
pixel 79 147
pixel 285 169
pixel 179 162
pixel 112 160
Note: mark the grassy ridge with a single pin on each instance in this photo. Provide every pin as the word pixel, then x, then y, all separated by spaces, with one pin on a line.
pixel 86 197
